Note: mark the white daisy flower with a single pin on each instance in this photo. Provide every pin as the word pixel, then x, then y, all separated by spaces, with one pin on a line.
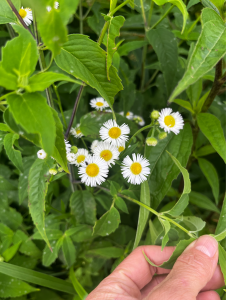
pixel 67 146
pixel 121 113
pixel 71 157
pixel 112 133
pixel 121 147
pixel 80 156
pixel 94 145
pixel 56 5
pixel 108 110
pixel 76 132
pixel 99 103
pixel 136 170
pixel 93 171
pixel 41 154
pixel 170 121
pixel 26 15
pixel 129 115
pixel 139 120
pixel 107 152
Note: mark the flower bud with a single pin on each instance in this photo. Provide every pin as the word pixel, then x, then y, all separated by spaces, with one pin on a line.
pixel 162 135
pixel 74 149
pixel 60 169
pixel 155 114
pixel 1 258
pixel 52 171
pixel 151 141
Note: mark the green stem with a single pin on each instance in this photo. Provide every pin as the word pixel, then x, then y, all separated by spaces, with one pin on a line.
pixel 84 143
pixel 118 7
pixel 104 30
pixel 136 133
pixel 81 17
pixel 60 105
pixel 162 18
pixel 143 14
pixel 11 31
pixel 178 225
pixel 88 11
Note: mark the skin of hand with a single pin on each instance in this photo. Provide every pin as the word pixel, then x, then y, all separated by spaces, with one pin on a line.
pixel 194 276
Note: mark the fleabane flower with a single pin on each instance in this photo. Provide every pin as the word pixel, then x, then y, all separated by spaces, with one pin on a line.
pixel 93 171
pixel 80 156
pixel 76 132
pixel 94 145
pixel 56 5
pixel 67 146
pixel 170 121
pixel 71 158
pixel 107 152
pixel 135 170
pixel 129 115
pixel 121 147
pixel 139 120
pixel 114 134
pixel 99 103
pixel 41 154
pixel 26 15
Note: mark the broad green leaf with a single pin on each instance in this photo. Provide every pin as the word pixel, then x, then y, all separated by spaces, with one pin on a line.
pixel 209 14
pixel 165 46
pixel 121 204
pixel 11 287
pixel 31 111
pixel 6 185
pixel 67 9
pixel 184 104
pixel 130 46
pixel 74 59
pixel 78 287
pixel 217 6
pixel 14 155
pixel 205 150
pixel 83 207
pixel 10 252
pixel 193 224
pixel 210 48
pixel 114 188
pixel 191 3
pixel 153 232
pixel 4 127
pixel 10 217
pixel 6 14
pixel 50 256
pixel 222 261
pixel 107 252
pixel 219 237
pixel 36 278
pixel 181 246
pixel 166 227
pixel 51 233
pixel 27 247
pixel 221 221
pixel 163 169
pixel 143 213
pixel 8 81
pixel 211 175
pixel 108 223
pixel 211 128
pixel 202 201
pixel 69 250
pixel 113 31
pixel 41 81
pixel 38 186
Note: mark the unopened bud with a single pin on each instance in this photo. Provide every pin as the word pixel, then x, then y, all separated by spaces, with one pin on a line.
pixel 60 169
pixel 52 171
pixel 1 258
pixel 162 135
pixel 151 141
pixel 74 149
pixel 155 114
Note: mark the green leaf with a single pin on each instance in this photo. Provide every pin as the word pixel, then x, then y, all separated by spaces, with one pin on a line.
pixel 130 46
pixel 6 185
pixel 38 186
pixel 8 81
pixel 6 14
pixel 211 175
pixel 205 150
pixel 165 46
pixel 166 226
pixel 114 188
pixel 153 232
pixel 208 51
pixel 31 111
pixel 107 252
pixel 41 81
pixel 10 252
pixel 11 287
pixel 52 234
pixel 83 207
pixel 221 221
pixel 27 247
pixel 191 3
pixel 219 237
pixel 222 261
pixel 50 256
pixel 14 155
pixel 184 104
pixel 120 203
pixel 68 250
pixel 214 7
pixel 73 60
pixel 211 128
pixel 194 224
pixel 37 278
pixel 163 169
pixel 144 213
pixel 78 287
pixel 108 223
pixel 194 92
pixel 202 201
pixel 4 127
pixel 67 8
pixel 201 102
pixel 113 31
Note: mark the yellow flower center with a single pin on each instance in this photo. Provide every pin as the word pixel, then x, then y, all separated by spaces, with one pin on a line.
pixel 106 155
pixel 169 121
pixel 136 168
pixel 22 13
pixel 92 170
pixel 114 132
pixel 80 158
pixel 78 131
pixel 121 148
pixel 127 114
pixel 99 104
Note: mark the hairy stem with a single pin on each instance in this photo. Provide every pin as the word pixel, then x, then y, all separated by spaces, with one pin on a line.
pixel 138 131
pixel 104 30
pixel 81 17
pixel 163 17
pixel 118 7
pixel 60 105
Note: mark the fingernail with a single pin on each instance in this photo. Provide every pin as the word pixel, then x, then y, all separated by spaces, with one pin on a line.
pixel 207 245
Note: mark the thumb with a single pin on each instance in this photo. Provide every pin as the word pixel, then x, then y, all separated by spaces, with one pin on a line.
pixel 191 272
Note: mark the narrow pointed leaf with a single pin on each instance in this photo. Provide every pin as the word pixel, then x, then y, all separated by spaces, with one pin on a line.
pixel 13 154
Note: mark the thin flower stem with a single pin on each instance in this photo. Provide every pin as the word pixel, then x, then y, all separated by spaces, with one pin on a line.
pixel 136 133
pixel 104 30
pixel 118 7
pixel 81 17
pixel 143 14
pixel 84 143
pixel 60 105
pixel 74 111
pixel 88 11
pixel 163 17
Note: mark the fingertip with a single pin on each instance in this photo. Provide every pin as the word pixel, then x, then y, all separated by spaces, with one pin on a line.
pixel 210 295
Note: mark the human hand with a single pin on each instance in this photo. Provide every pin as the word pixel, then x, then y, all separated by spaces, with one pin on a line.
pixel 194 276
